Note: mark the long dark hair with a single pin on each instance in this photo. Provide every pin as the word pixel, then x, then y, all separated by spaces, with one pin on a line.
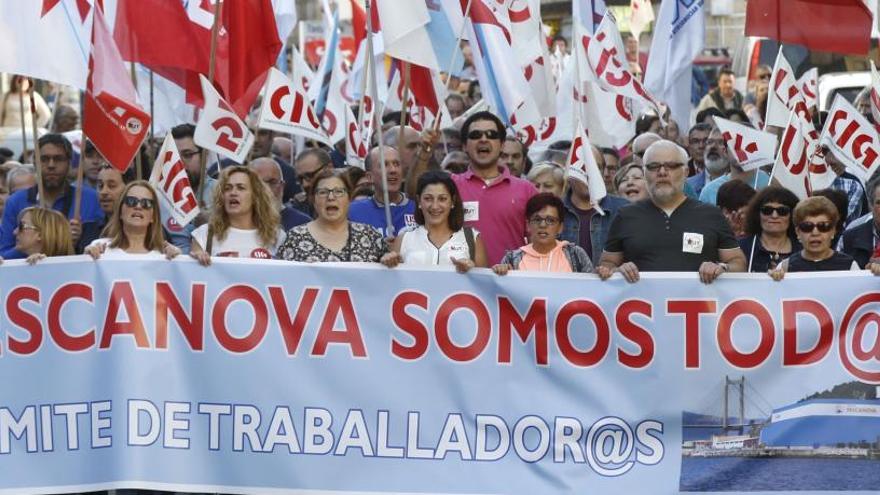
pixel 456 214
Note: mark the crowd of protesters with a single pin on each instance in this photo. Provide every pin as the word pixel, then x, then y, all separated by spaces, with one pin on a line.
pixel 472 195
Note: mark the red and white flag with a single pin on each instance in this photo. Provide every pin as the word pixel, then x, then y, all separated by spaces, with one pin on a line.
pixel 852 139
pixel 800 165
pixel 750 147
pixel 46 40
pixel 582 166
pixel 112 118
pixel 783 93
pixel 808 85
pixel 176 198
pixel 286 109
pixel 642 14
pixel 219 128
pixel 355 146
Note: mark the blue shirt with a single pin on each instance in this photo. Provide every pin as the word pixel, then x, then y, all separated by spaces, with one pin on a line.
pixel 90 211
pixel 710 191
pixel 372 212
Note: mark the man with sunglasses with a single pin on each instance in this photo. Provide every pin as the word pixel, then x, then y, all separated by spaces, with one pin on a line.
pixel 669 231
pixel 494 199
pixel 55 154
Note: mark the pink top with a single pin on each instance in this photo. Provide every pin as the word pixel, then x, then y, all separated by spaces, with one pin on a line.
pixel 554 261
pixel 497 211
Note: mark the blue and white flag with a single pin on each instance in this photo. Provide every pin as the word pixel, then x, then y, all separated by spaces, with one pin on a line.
pixel 443 37
pixel 319 88
pixel 589 13
pixel 678 38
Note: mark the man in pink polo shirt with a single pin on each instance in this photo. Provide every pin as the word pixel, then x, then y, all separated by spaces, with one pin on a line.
pixel 494 200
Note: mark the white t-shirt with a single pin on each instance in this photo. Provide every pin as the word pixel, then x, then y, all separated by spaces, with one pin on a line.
pixel 116 253
pixel 238 243
pixel 417 249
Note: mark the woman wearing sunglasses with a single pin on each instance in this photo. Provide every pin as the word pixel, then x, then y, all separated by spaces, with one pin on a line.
pixel 815 220
pixel 42 232
pixel 331 236
pixel 135 227
pixel 545 253
pixel 769 227
pixel 245 222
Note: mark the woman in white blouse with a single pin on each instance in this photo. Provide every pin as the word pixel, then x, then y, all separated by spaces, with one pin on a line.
pixel 440 237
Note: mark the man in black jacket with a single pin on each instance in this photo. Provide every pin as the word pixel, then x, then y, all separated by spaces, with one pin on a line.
pixel 862 242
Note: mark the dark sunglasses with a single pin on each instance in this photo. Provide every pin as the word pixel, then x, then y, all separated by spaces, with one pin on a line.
pixel 782 211
pixel 131 202
pixel 808 227
pixel 490 134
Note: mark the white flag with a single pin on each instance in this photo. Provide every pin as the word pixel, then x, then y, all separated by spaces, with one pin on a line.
pixel 808 85
pixel 750 147
pixel 642 14
pixel 355 147
pixel 852 139
pixel 679 34
pixel 176 198
pixel 53 45
pixel 783 92
pixel 220 129
pixel 403 29
pixel 800 165
pixel 875 93
pixel 582 166
pixel 286 109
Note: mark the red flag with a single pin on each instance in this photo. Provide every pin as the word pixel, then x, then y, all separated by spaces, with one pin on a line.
pixel 112 119
pixel 358 22
pixel 249 48
pixel 842 26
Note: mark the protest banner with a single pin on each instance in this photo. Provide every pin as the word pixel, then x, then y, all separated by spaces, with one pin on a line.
pixel 267 376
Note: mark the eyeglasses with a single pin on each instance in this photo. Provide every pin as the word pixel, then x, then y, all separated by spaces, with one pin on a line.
pixel 26 226
pixel 669 166
pixel 548 221
pixel 272 182
pixel 308 175
pixel 337 192
pixel 782 211
pixel 490 134
pixel 808 227
pixel 766 76
pixel 132 201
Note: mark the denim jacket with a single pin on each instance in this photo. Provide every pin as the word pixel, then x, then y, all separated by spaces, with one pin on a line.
pixel 599 224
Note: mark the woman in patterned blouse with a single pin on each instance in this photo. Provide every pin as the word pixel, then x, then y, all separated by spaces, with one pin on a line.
pixel 330 236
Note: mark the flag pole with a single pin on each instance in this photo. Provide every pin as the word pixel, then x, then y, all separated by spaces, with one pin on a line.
pixel 137 158
pixel 23 126
pixel 37 160
pixel 152 118
pixel 467 13
pixel 377 114
pixel 77 197
pixel 405 69
pixel 215 30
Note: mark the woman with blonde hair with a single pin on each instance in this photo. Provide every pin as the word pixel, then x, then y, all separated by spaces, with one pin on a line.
pixel 135 227
pixel 548 177
pixel 41 233
pixel 244 222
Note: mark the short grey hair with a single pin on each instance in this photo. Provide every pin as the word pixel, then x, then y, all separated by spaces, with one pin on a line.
pixel 663 145
pixel 266 159
pixel 20 170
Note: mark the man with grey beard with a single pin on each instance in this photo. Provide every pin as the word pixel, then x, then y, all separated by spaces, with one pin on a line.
pixel 669 231
pixel 715 162
pixel 755 178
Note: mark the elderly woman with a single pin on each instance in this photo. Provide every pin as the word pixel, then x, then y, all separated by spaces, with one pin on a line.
pixel 770 236
pixel 548 177
pixel 815 220
pixel 41 233
pixel 244 223
pixel 545 253
pixel 630 184
pixel 331 236
pixel 135 227
pixel 440 237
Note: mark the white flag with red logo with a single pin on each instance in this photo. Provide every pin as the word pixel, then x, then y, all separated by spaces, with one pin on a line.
pixel 750 147
pixel 808 85
pixel 286 108
pixel 355 145
pixel 800 165
pixel 606 64
pixel 176 197
pixel 875 94
pixel 219 128
pixel 112 118
pixel 852 139
pixel 783 93
pixel 582 166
